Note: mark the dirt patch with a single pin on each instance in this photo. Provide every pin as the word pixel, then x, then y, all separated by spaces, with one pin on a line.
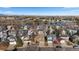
pixel 4 45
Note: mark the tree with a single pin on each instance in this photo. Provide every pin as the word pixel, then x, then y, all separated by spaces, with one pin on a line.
pixel 57 32
pixel 19 42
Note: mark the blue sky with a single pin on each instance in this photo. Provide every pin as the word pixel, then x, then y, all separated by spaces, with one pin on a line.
pixel 40 10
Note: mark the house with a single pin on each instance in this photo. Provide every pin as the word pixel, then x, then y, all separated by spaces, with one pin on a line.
pixel 12 38
pixel 25 38
pixel 30 32
pixel 25 27
pixel 49 37
pixel 12 33
pixel 12 28
pixel 63 43
pixel 9 27
pixel 1 35
pixel 25 32
pixel 38 27
pixel 4 38
pixel 20 33
pixel 65 37
pixel 3 18
pixel 72 31
pixel 41 27
pixel 10 18
pixel 57 27
pixel 63 32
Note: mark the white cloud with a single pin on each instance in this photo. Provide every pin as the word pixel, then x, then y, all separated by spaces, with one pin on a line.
pixel 6 7
pixel 40 3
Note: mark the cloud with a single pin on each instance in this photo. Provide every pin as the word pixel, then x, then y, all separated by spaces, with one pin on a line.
pixel 6 7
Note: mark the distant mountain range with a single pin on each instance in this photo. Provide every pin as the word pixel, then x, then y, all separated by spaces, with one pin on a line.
pixel 1 14
pixel 7 15
pixel 38 15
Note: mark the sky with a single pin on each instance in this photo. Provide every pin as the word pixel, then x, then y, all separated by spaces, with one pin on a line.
pixel 39 10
